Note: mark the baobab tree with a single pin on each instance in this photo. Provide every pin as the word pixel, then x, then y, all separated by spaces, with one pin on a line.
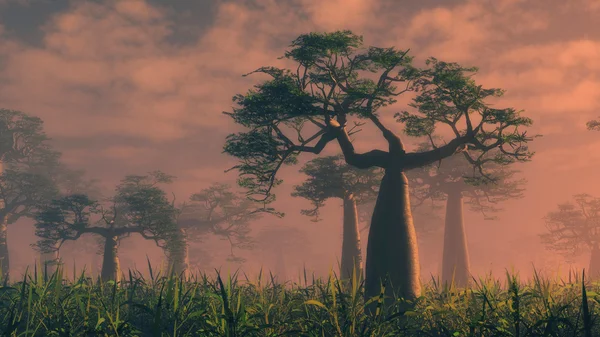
pixel 574 229
pixel 330 177
pixel 333 82
pixel 218 211
pixel 139 206
pixel 23 143
pixel 67 181
pixel 455 182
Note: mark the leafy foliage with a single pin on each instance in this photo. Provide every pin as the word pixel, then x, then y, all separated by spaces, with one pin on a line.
pixel 331 177
pixel 334 80
pixel 217 210
pixel 138 206
pixel 574 227
pixel 326 85
pixel 482 187
pixel 448 95
pixel 20 135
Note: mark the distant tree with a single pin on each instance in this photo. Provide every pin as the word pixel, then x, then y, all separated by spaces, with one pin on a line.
pixel 22 143
pixel 456 181
pixel 333 81
pixel 68 182
pixel 285 246
pixel 139 206
pixel 331 177
pixel 593 125
pixel 574 229
pixel 218 211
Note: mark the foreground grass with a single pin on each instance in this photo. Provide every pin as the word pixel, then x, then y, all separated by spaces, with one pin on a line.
pixel 41 305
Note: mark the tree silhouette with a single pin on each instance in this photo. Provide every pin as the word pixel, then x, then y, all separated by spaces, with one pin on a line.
pixel 574 229
pixel 23 147
pixel 218 211
pixel 139 206
pixel 302 110
pixel 331 177
pixel 456 181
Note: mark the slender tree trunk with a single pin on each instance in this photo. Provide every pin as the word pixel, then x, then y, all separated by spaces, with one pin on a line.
pixel 594 271
pixel 49 262
pixel 351 256
pixel 455 261
pixel 179 261
pixel 392 251
pixel 4 257
pixel 110 262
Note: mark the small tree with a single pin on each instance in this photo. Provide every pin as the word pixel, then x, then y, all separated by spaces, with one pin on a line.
pixel 333 82
pixel 456 181
pixel 219 211
pixel 139 206
pixel 331 177
pixel 574 229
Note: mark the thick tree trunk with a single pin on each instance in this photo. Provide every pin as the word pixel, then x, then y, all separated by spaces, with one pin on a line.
pixel 110 262
pixel 179 261
pixel 392 251
pixel 455 261
pixel 351 256
pixel 594 271
pixel 4 258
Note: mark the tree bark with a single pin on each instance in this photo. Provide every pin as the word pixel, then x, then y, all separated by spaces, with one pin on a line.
pixel 455 261
pixel 179 261
pixel 351 256
pixel 594 271
pixel 110 262
pixel 4 256
pixel 392 251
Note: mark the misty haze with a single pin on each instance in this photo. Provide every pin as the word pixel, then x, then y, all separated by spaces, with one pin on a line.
pixel 263 167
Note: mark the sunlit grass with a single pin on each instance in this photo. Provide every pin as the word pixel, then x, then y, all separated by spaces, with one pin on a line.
pixel 235 305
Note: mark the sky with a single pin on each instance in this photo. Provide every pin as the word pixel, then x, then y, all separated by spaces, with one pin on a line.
pixel 130 86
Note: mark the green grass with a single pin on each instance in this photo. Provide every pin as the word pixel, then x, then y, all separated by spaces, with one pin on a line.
pixel 233 305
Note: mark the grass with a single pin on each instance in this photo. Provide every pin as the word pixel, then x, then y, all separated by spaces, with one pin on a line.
pixel 233 305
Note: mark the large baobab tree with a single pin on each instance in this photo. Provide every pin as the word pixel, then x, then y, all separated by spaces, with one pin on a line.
pixel 139 206
pixel 456 182
pixel 574 229
pixel 336 79
pixel 218 211
pixel 330 177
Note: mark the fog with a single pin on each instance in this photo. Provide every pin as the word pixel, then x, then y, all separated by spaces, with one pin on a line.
pixel 127 87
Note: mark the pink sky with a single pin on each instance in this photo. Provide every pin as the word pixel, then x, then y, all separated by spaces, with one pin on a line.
pixel 120 97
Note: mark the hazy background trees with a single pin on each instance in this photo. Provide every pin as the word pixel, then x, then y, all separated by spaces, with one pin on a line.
pixel 138 206
pixel 330 177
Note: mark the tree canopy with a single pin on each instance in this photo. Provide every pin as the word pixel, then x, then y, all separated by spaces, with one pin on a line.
pixel 138 206
pixel 220 211
pixel 330 177
pixel 333 81
pixel 574 227
pixel 482 187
